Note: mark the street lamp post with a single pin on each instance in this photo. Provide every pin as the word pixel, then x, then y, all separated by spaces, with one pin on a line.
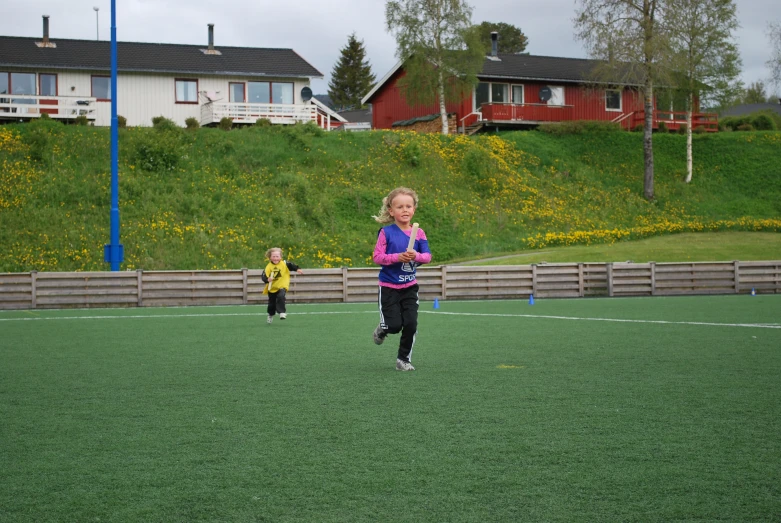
pixel 97 23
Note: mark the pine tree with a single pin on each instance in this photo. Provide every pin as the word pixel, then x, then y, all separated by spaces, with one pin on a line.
pixel 351 78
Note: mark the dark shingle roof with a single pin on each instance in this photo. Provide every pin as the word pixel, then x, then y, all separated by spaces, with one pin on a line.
pixel 740 110
pixel 530 67
pixel 161 58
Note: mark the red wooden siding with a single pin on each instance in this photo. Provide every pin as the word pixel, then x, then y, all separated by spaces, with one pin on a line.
pixel 388 106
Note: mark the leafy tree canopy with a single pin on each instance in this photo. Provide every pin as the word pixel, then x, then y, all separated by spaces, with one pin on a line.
pixel 511 38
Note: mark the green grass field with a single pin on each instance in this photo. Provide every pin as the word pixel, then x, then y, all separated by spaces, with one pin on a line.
pixel 655 409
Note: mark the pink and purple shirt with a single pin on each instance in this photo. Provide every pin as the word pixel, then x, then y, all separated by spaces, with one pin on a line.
pixel 392 241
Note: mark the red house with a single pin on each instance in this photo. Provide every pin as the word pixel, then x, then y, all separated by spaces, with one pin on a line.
pixel 519 90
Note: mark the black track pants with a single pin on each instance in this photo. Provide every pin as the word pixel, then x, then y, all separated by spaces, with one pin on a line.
pixel 399 313
pixel 276 302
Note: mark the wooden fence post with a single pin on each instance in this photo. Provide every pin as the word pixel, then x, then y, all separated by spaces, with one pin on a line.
pixel 33 280
pixel 345 279
pixel 534 279
pixel 653 278
pixel 140 287
pixel 581 283
pixel 736 263
pixel 610 278
pixel 443 270
pixel 245 293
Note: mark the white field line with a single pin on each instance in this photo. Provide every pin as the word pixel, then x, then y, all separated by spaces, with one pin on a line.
pixel 617 320
pixel 532 316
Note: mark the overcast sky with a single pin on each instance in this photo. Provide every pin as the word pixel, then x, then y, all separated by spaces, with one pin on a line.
pixel 318 29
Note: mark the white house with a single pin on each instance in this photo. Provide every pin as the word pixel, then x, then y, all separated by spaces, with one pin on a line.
pixel 67 78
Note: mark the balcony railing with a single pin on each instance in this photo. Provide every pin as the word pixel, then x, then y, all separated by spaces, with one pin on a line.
pixel 509 112
pixel 674 119
pixel 27 106
pixel 245 113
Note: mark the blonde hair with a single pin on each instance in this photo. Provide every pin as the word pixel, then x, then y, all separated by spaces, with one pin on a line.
pixel 268 252
pixel 384 216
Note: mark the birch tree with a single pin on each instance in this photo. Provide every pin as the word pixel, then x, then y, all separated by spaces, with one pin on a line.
pixel 630 40
pixel 774 34
pixel 441 50
pixel 705 53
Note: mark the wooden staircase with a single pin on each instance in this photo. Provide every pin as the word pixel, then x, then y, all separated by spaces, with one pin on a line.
pixel 472 129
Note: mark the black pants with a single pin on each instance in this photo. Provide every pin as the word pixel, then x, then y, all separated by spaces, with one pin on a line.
pixel 276 302
pixel 399 313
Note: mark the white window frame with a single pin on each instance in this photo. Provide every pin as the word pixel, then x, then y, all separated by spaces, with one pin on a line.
pixel 554 89
pixel 620 101
pixel 512 93
pixel 185 81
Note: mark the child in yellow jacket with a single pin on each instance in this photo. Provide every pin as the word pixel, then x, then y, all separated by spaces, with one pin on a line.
pixel 277 279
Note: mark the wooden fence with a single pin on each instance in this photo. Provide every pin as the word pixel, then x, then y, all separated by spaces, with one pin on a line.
pixel 45 290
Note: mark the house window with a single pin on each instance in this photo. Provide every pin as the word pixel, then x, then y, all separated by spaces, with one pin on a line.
pixel 237 93
pixel 499 93
pixel 186 91
pixel 47 84
pixel 101 88
pixel 612 100
pixel 259 92
pixel 517 94
pixel 557 96
pixel 270 92
pixel 5 86
pixel 281 93
pixel 23 83
pixel 482 94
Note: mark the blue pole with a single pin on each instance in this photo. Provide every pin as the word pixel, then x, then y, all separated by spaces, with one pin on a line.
pixel 114 252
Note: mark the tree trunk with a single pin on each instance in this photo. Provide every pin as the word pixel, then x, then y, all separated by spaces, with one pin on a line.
pixel 689 158
pixel 648 148
pixel 442 105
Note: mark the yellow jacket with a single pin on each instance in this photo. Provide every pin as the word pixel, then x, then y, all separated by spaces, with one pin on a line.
pixel 279 274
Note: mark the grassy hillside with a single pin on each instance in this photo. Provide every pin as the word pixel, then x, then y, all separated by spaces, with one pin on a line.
pixel 215 199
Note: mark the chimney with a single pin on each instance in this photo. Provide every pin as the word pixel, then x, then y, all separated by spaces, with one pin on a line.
pixel 45 42
pixel 494 44
pixel 211 49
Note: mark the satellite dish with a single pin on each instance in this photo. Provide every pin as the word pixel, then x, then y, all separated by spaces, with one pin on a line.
pixel 545 93
pixel 306 94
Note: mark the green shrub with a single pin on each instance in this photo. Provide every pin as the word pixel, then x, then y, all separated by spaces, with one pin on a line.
pixel 192 123
pixel 745 127
pixel 121 121
pixel 763 122
pixel 263 122
pixel 663 127
pixel 639 128
pixel 226 123
pixel 700 129
pixel 40 136
pixel 161 123
pixel 158 152
pixel 45 116
pixel 81 120
pixel 682 128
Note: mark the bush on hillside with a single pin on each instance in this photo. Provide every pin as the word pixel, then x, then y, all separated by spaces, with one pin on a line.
pixel 121 121
pixel 745 127
pixel 700 129
pixel 681 129
pixel 763 122
pixel 192 123
pixel 160 152
pixel 81 120
pixel 263 122
pixel 40 137
pixel 663 127
pixel 226 123
pixel 161 123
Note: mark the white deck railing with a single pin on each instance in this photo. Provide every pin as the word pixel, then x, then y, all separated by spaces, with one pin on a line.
pixel 26 106
pixel 244 113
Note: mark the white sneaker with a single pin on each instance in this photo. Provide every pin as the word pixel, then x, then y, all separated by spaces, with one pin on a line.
pixel 269 319
pixel 378 335
pixel 282 315
pixel 404 365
